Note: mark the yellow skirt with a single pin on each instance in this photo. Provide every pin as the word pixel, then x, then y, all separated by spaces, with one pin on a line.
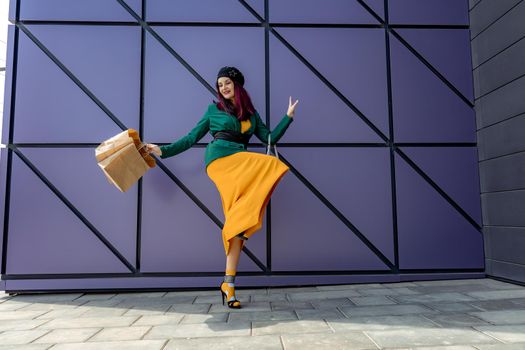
pixel 245 181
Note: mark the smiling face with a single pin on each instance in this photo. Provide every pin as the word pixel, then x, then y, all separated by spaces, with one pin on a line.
pixel 226 88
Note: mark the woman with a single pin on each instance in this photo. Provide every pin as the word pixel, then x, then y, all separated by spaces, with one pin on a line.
pixel 245 180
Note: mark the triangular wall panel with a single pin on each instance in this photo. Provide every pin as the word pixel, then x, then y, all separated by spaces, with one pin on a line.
pixel 63 113
pixel 447 50
pixel 322 115
pixel 424 108
pixel 431 233
pixel 361 192
pixel 363 79
pixel 455 170
pixel 306 235
pixel 75 173
pixel 198 11
pixel 106 59
pixel 45 236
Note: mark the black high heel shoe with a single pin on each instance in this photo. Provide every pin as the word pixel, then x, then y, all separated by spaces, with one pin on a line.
pixel 232 304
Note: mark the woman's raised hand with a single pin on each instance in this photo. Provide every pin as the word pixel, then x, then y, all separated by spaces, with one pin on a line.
pixel 291 107
pixel 152 148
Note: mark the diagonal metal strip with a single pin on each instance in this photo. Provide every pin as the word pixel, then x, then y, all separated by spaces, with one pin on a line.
pixel 337 213
pixel 73 209
pixel 417 54
pixel 207 211
pixel 439 190
pixel 71 76
pixel 162 166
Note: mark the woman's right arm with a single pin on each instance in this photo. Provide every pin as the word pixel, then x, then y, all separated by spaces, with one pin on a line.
pixel 187 141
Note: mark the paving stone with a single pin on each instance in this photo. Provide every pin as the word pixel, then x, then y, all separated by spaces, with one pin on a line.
pixel 350 286
pixel 348 340
pixel 451 282
pixel 20 325
pixel 21 337
pixel 215 329
pixel 319 314
pixel 74 335
pixel 26 347
pixel 289 327
pixel 511 333
pixel 461 288
pixel 286 305
pixel 375 300
pixel 381 323
pixel 151 310
pixel 269 297
pixel 246 307
pixel 121 333
pixel 425 337
pixel 141 295
pixel 280 290
pixel 62 313
pixel 384 310
pixel 189 308
pixel 398 285
pixel 331 303
pixel 156 320
pixel 456 320
pixel 253 291
pixel 216 299
pixel 518 346
pixel 502 317
pixel 115 345
pixel 95 296
pixel 499 284
pixel 63 305
pixel 497 304
pixel 386 291
pixel 105 312
pixel 146 302
pixel 191 293
pixel 89 322
pixel 12 306
pixel 452 347
pixel 205 318
pixel 433 298
pixel 102 303
pixel 46 297
pixel 262 316
pixel 499 294
pixel 19 315
pixel 263 342
pixel 329 294
pixel 452 307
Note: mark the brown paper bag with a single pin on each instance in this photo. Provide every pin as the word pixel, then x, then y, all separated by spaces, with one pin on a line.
pixel 124 159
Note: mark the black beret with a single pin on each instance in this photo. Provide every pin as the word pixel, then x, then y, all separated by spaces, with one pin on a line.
pixel 232 73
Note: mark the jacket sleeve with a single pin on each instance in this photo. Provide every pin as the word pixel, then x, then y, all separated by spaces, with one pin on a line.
pixel 187 141
pixel 262 131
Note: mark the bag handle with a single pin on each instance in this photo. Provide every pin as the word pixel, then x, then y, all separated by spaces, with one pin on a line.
pixel 268 147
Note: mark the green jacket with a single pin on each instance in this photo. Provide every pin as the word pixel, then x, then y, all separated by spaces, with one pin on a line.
pixel 216 120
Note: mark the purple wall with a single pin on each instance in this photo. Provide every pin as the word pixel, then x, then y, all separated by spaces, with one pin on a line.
pixel 384 183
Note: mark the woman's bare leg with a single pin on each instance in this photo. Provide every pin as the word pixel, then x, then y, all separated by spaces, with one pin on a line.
pixel 232 259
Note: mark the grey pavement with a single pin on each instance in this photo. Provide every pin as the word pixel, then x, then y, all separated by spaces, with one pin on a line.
pixel 483 314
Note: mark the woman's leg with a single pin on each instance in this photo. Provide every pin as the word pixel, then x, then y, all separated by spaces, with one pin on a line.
pixel 232 260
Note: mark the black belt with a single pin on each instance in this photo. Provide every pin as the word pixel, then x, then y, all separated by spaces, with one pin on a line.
pixel 233 136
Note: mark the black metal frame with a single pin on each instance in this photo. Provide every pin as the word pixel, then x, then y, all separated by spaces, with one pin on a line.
pixel 393 268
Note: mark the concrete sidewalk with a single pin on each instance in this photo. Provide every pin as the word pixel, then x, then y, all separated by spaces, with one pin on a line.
pixel 455 314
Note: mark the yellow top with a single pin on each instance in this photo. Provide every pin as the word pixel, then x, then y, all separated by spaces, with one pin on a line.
pixel 245 125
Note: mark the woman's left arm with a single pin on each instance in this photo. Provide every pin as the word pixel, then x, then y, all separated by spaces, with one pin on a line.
pixel 262 131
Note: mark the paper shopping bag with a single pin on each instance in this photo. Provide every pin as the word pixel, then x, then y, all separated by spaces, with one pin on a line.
pixel 124 159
